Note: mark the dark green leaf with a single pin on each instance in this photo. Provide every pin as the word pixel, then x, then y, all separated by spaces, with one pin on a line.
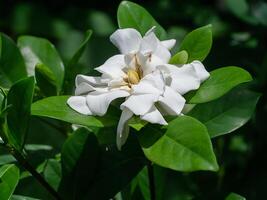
pixel 52 173
pixel 131 15
pixel 19 197
pixel 185 146
pixel 19 98
pixel 38 50
pixel 46 80
pixel 234 196
pixel 12 67
pixel 179 58
pixel 9 178
pixel 197 43
pixel 57 108
pixel 220 82
pixel 80 154
pixel 228 113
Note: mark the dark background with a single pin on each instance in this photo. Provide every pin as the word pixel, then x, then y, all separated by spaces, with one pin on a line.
pixel 240 38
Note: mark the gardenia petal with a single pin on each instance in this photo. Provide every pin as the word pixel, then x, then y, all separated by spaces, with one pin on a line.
pixel 123 127
pixel 127 40
pixel 78 103
pixel 201 72
pixel 113 67
pixel 98 102
pixel 172 102
pixel 92 80
pixel 169 44
pixel 154 116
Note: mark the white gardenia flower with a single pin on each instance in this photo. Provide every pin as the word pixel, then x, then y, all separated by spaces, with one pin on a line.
pixel 140 74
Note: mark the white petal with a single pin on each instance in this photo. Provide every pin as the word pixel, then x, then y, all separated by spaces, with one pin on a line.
pixel 123 128
pixel 98 102
pixel 140 104
pixel 154 116
pixel 92 80
pixel 149 42
pixel 201 72
pixel 84 88
pixel 78 103
pixel 127 40
pixel 172 102
pixel 151 64
pixel 113 66
pixel 169 44
pixel 163 53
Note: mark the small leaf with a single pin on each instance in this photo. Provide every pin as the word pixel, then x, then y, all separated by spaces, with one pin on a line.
pixel 46 80
pixel 56 107
pixel 220 82
pixel 38 50
pixel 12 66
pixel 19 99
pixel 179 58
pixel 52 173
pixel 198 43
pixel 234 196
pixel 185 146
pixel 136 123
pixel 9 178
pixel 131 15
pixel 228 113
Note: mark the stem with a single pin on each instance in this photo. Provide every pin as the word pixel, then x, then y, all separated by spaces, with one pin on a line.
pixel 25 164
pixel 151 181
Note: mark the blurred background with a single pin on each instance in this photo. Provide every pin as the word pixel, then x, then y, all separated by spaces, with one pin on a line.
pixel 239 38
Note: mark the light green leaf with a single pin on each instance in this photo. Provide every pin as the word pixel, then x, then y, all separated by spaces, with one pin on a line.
pixel 56 107
pixel 9 178
pixel 220 82
pixel 136 123
pixel 52 173
pixel 179 58
pixel 197 43
pixel 46 80
pixel 12 67
pixel 185 146
pixel 19 99
pixel 234 196
pixel 7 158
pixel 228 113
pixel 38 50
pixel 131 15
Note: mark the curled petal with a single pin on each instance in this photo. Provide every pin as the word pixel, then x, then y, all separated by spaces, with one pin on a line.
pixel 78 103
pixel 201 72
pixel 127 40
pixel 172 102
pixel 169 44
pixel 154 116
pixel 123 127
pixel 92 80
pixel 98 102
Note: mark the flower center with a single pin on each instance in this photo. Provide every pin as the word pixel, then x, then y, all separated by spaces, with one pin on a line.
pixel 133 76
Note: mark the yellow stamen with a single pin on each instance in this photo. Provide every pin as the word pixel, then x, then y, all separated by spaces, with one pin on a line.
pixel 133 77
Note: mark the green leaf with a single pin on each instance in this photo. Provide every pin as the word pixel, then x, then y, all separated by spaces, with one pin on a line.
pixel 52 173
pixel 38 50
pixel 220 82
pixel 56 107
pixel 12 67
pixel 198 43
pixel 185 146
pixel 5 159
pixel 80 154
pixel 46 80
pixel 19 99
pixel 228 113
pixel 71 69
pixel 234 196
pixel 9 178
pixel 19 197
pixel 136 123
pixel 131 15
pixel 179 58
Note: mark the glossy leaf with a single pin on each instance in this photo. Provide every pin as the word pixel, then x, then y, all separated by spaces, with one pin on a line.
pixel 38 50
pixel 9 178
pixel 228 113
pixel 80 154
pixel 179 58
pixel 56 107
pixel 185 146
pixel 19 99
pixel 19 197
pixel 234 196
pixel 197 43
pixel 52 173
pixel 220 82
pixel 131 15
pixel 12 66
